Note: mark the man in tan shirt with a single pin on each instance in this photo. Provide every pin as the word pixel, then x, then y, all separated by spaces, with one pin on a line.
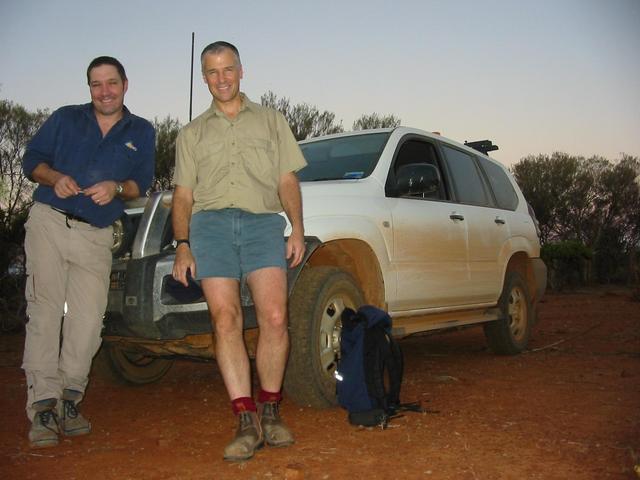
pixel 235 172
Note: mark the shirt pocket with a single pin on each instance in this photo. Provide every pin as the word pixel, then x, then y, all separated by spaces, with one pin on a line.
pixel 211 166
pixel 113 162
pixel 258 156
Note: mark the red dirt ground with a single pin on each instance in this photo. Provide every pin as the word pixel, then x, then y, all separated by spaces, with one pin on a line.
pixel 567 409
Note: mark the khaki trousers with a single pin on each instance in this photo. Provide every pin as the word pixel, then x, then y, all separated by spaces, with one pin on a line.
pixel 67 262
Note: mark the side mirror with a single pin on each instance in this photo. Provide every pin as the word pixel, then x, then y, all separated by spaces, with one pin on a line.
pixel 418 179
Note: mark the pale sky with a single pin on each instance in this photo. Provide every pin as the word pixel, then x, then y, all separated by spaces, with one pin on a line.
pixel 534 77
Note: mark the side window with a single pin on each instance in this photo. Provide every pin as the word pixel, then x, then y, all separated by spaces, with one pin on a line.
pixel 415 151
pixel 465 175
pixel 502 187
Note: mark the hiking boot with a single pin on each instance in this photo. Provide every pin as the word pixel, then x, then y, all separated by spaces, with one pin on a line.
pixel 276 433
pixel 71 420
pixel 248 438
pixel 44 427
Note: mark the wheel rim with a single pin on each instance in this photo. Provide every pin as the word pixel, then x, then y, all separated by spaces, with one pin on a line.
pixel 330 329
pixel 517 313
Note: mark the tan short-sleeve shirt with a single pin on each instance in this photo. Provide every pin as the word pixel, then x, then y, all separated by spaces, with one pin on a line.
pixel 236 163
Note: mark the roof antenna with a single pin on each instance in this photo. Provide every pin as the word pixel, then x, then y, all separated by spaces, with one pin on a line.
pixel 193 36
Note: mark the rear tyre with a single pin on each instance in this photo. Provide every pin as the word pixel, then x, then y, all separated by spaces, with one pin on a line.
pixel 510 334
pixel 131 367
pixel 315 308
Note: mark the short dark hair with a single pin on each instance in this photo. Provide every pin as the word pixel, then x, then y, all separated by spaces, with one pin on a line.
pixel 104 60
pixel 217 47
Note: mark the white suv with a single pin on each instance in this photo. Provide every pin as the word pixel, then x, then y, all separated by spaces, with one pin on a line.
pixel 433 231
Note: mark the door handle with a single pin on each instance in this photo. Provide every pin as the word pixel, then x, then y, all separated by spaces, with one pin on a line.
pixel 456 216
pixel 499 221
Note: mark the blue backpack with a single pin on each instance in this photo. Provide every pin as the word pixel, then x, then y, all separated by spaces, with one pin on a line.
pixel 369 373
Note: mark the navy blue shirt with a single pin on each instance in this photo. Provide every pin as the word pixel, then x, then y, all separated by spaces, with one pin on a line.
pixel 71 142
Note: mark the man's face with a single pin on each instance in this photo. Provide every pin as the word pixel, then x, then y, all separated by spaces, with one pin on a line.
pixel 107 90
pixel 222 73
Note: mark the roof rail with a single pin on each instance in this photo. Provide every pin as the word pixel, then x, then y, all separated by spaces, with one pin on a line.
pixel 483 146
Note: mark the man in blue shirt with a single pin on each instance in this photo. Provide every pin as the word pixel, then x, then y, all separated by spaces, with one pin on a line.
pixel 87 159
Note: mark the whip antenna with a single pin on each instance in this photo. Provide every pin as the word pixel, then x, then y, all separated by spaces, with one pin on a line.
pixel 193 36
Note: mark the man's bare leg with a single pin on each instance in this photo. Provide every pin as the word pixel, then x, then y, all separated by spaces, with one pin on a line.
pixel 223 300
pixel 269 291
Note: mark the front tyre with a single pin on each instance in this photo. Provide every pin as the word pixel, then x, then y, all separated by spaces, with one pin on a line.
pixel 132 367
pixel 510 334
pixel 315 307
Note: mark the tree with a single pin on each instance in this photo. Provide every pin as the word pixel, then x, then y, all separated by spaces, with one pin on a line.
pixel 305 121
pixel 616 237
pixel 592 201
pixel 374 120
pixel 547 183
pixel 618 199
pixel 17 126
pixel 166 134
pixel 562 190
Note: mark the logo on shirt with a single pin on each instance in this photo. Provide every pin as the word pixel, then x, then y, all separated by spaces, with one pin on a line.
pixel 131 146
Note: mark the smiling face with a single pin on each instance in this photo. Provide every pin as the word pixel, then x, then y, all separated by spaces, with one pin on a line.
pixel 107 90
pixel 222 73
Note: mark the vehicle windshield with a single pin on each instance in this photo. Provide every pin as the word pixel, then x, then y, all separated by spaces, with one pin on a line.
pixel 342 158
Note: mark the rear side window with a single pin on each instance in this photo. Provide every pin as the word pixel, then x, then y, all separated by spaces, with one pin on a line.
pixel 506 196
pixel 465 175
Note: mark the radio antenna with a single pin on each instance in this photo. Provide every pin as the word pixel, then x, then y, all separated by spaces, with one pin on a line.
pixel 193 36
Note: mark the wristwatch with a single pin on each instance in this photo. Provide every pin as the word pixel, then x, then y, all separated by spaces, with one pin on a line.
pixel 181 240
pixel 119 188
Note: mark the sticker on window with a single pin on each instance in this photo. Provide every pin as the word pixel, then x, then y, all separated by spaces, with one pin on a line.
pixel 353 175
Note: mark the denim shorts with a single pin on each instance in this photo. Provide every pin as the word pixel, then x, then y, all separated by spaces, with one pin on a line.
pixel 231 243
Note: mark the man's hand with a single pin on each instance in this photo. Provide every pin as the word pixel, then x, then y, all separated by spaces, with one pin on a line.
pixel 102 192
pixel 295 249
pixel 183 262
pixel 65 186
pixel 180 215
pixel 289 193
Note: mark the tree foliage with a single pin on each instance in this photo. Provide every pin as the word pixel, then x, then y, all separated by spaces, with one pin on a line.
pixel 166 134
pixel 592 201
pixel 17 126
pixel 305 120
pixel 374 120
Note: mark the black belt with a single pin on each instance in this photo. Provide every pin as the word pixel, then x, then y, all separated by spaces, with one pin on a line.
pixel 71 216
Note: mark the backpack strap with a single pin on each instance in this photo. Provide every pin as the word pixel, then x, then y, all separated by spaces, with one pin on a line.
pixel 395 367
pixel 382 354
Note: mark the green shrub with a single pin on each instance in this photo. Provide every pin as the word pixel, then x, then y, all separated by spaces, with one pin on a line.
pixel 568 263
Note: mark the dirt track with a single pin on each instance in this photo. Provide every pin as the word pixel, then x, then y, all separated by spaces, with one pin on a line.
pixel 568 409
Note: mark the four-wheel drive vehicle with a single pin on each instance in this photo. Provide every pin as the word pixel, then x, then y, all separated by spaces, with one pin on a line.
pixel 433 231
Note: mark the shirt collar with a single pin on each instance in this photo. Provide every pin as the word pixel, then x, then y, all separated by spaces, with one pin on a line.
pixel 87 108
pixel 246 105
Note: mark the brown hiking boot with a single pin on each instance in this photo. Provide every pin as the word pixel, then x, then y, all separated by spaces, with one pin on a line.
pixel 276 433
pixel 71 420
pixel 248 438
pixel 44 428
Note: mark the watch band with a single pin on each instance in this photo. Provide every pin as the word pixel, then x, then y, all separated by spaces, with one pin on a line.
pixel 183 240
pixel 119 188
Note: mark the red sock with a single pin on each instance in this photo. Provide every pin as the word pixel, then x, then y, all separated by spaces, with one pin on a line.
pixel 243 404
pixel 268 397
